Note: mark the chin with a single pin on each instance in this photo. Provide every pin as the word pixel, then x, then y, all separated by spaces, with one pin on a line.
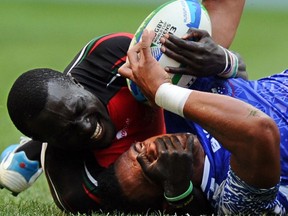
pixel 100 144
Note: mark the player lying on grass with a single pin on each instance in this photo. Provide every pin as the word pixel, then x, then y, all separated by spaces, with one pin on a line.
pixel 240 159
pixel 83 108
pixel 99 185
pixel 225 16
pixel 29 153
pixel 78 111
pixel 86 112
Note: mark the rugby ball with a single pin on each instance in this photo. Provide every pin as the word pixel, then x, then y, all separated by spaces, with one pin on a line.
pixel 174 17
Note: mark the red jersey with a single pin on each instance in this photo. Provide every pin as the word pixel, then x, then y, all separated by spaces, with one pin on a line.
pixel 96 68
pixel 134 122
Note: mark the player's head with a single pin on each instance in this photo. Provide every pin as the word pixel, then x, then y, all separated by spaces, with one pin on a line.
pixel 137 189
pixel 49 106
pixel 113 197
pixel 123 186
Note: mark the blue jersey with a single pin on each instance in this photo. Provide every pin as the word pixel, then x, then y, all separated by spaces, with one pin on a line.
pixel 270 95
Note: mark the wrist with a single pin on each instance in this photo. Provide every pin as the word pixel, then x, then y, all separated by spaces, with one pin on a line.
pixel 172 188
pixel 231 64
pixel 181 200
pixel 172 98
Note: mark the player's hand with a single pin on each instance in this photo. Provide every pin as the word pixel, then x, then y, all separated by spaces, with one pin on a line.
pixel 142 67
pixel 172 167
pixel 196 51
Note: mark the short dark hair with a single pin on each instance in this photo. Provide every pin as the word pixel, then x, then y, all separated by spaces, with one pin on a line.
pixel 28 96
pixel 113 198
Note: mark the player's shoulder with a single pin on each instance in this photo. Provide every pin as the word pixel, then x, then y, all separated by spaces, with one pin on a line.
pixel 113 42
pixel 112 37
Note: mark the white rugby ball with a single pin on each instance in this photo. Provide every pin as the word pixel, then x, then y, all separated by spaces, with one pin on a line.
pixel 175 17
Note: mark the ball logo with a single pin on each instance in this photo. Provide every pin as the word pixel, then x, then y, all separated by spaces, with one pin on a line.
pixel 174 17
pixel 162 28
pixel 195 14
pixel 156 52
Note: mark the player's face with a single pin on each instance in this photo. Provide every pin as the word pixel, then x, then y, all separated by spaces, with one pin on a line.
pixel 135 184
pixel 73 116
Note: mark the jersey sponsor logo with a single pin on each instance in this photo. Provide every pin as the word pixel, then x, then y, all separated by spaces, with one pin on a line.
pixel 219 86
pixel 123 132
pixel 214 143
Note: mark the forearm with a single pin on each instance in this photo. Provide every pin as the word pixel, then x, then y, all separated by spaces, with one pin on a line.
pixel 229 120
pixel 249 134
pixel 225 17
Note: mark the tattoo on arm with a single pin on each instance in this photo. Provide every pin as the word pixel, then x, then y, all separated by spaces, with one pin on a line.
pixel 253 113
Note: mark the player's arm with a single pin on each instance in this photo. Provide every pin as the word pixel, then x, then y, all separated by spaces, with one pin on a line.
pixel 250 135
pixel 225 17
pixel 201 56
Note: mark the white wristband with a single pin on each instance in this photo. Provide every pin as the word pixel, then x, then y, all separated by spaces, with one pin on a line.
pixel 226 59
pixel 172 98
pixel 231 67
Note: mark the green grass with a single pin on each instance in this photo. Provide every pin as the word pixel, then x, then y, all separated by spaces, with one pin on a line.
pixel 262 42
pixel 49 35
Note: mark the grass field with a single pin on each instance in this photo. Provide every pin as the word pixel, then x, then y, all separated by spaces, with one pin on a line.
pixel 50 34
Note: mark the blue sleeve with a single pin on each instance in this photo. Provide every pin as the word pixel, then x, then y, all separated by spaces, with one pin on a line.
pixel 234 196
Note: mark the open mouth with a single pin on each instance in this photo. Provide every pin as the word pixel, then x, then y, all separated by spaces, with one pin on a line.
pixel 138 147
pixel 98 132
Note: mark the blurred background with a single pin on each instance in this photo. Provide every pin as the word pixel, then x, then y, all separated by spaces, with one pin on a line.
pixel 48 33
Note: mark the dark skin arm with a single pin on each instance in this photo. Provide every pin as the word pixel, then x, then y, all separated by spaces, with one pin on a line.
pixel 198 53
